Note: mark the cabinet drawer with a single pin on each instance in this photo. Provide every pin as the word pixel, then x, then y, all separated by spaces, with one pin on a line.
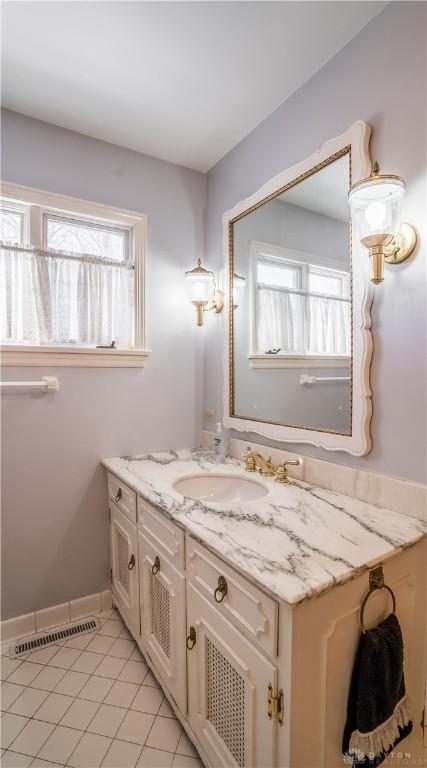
pixel 124 497
pixel 165 535
pixel 249 609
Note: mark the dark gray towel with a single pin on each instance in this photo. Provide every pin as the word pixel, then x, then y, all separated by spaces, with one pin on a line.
pixel 378 712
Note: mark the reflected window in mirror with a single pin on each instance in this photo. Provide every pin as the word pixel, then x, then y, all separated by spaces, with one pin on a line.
pixel 300 307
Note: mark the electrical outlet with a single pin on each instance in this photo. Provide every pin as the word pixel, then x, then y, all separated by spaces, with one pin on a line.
pixel 210 415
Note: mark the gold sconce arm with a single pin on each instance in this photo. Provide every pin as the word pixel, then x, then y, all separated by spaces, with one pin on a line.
pixel 217 302
pixel 215 305
pixel 402 245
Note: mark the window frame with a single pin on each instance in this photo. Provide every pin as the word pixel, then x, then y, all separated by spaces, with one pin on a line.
pixel 40 203
pixel 299 261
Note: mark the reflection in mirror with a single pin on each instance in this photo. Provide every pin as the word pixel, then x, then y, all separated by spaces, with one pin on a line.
pixel 292 304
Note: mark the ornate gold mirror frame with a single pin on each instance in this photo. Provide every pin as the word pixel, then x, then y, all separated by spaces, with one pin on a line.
pixel 355 142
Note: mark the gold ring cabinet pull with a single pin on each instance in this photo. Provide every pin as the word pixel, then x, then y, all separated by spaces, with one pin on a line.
pixel 191 639
pixel 131 563
pixel 376 581
pixel 156 567
pixel 221 589
pixel 119 495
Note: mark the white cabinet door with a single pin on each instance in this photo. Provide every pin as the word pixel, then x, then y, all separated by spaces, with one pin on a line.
pixel 163 617
pixel 228 686
pixel 124 567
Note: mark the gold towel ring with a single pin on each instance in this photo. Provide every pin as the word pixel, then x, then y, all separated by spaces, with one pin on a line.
pixel 376 581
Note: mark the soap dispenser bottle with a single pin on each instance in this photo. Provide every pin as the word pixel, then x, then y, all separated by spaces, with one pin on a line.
pixel 219 441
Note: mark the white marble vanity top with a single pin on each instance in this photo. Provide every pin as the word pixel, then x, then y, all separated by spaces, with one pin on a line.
pixel 295 542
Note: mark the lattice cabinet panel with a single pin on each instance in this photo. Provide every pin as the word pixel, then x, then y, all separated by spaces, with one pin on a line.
pixel 123 558
pixel 162 589
pixel 226 706
pixel 124 566
pixel 228 682
pixel 161 614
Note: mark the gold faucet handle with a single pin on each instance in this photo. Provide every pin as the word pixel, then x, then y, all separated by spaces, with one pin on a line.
pixel 250 461
pixel 282 471
pixel 282 474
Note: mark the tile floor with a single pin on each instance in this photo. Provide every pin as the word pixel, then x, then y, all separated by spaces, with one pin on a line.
pixel 89 701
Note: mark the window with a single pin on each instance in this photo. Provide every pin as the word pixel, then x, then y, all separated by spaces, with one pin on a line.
pixel 11 223
pixel 83 237
pixel 325 282
pixel 71 276
pixel 281 275
pixel 301 308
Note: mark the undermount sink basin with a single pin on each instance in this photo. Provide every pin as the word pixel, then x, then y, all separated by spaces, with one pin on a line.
pixel 220 488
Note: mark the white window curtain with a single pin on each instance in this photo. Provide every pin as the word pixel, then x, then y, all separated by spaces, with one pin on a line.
pixel 328 326
pixel 50 297
pixel 279 320
pixel 300 323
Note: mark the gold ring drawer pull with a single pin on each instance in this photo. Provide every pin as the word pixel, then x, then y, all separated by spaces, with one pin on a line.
pixel 131 563
pixel 191 639
pixel 118 496
pixel 221 589
pixel 155 568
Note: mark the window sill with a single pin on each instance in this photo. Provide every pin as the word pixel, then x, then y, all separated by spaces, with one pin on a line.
pixel 81 357
pixel 299 361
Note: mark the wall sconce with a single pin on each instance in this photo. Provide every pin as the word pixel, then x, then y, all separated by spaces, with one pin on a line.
pixel 239 284
pixel 375 205
pixel 202 291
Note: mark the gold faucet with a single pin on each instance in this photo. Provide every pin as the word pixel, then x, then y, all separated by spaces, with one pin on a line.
pixel 255 461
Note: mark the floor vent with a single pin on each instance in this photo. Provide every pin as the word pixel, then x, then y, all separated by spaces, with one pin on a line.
pixel 42 640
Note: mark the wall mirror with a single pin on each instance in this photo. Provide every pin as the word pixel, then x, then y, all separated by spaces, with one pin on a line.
pixel 298 343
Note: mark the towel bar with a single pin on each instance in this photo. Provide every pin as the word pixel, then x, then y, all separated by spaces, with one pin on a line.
pixel 303 379
pixel 376 581
pixel 47 384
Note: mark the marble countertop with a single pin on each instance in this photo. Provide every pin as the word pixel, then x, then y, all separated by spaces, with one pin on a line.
pixel 295 542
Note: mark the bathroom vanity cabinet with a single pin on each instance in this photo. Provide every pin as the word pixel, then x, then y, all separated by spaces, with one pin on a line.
pixel 255 681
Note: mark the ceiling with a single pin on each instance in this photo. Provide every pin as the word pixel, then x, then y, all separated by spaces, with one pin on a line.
pixel 182 81
pixel 324 192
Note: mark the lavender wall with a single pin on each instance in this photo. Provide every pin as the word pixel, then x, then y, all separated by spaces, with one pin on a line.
pixel 379 77
pixel 55 535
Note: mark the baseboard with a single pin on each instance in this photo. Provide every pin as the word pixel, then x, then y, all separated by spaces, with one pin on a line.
pixel 55 616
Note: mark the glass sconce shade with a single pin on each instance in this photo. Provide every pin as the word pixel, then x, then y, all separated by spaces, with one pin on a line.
pixel 375 209
pixel 239 284
pixel 200 284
